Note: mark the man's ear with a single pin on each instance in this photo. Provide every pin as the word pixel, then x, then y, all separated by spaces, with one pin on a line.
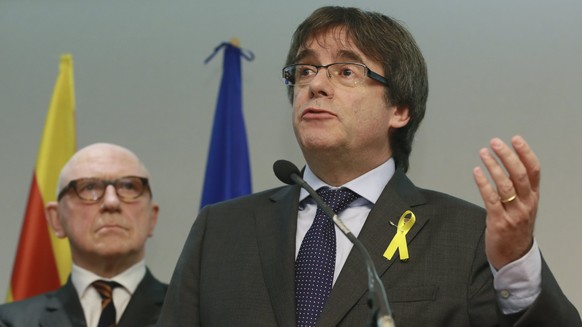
pixel 400 116
pixel 155 209
pixel 53 219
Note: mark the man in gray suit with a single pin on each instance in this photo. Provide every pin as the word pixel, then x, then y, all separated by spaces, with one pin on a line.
pixel 358 86
pixel 106 211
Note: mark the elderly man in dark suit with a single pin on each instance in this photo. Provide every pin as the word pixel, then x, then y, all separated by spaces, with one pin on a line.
pixel 358 86
pixel 106 211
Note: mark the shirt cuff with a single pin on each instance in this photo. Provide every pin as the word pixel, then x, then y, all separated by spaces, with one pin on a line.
pixel 518 284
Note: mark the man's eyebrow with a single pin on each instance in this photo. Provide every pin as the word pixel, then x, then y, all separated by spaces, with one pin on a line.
pixel 342 55
pixel 306 53
pixel 349 55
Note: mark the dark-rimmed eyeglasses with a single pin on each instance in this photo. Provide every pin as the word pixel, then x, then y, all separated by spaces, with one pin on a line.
pixel 127 188
pixel 344 73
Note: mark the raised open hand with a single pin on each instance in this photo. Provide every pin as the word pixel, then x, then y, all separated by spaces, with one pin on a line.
pixel 511 199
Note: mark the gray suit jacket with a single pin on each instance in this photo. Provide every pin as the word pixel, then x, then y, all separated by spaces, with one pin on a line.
pixel 62 307
pixel 237 267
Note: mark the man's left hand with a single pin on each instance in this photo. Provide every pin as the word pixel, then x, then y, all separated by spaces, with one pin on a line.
pixel 511 199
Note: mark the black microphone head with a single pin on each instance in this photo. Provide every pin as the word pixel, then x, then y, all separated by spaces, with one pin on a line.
pixel 284 169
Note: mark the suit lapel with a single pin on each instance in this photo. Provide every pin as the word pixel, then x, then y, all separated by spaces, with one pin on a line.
pixel 276 226
pixel 398 196
pixel 145 304
pixel 63 309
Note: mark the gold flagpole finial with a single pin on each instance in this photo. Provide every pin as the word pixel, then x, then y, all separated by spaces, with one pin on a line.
pixel 235 41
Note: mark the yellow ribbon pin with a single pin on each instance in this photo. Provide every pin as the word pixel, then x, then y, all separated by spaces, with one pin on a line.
pixel 405 223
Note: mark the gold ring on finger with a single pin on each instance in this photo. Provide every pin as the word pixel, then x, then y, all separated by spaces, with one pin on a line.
pixel 509 199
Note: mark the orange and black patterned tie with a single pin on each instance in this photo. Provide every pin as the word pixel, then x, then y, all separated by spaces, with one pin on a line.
pixel 105 289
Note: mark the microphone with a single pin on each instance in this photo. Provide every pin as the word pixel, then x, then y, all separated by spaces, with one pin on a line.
pixel 288 173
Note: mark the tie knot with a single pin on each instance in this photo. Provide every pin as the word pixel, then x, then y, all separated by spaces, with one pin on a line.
pixel 337 199
pixel 105 288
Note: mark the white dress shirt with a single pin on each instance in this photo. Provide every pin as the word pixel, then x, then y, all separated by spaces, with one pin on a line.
pixel 517 284
pixel 90 298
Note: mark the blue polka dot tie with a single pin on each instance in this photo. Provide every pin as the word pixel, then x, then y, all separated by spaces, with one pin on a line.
pixel 315 264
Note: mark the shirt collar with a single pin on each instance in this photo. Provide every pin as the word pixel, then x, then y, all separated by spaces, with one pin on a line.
pixel 129 279
pixel 369 186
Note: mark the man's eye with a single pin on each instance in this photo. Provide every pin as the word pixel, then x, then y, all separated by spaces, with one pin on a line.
pixel 306 72
pixel 127 185
pixel 89 186
pixel 347 72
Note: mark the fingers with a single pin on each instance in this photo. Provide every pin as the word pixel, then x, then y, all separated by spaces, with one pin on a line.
pixel 488 193
pixel 505 183
pixel 514 173
pixel 529 160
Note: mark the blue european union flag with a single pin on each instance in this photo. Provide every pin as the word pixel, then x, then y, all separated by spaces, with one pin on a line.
pixel 228 173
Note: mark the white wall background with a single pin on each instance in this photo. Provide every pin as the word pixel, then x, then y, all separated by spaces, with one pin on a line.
pixel 496 68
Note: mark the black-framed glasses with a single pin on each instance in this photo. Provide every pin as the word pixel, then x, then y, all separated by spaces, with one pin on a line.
pixel 127 188
pixel 345 73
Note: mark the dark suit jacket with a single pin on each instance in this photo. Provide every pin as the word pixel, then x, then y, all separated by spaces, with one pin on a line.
pixel 237 267
pixel 62 307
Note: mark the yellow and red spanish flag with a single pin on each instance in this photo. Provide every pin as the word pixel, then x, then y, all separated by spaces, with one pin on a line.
pixel 43 262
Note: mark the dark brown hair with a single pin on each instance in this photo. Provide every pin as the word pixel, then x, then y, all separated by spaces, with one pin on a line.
pixel 386 41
